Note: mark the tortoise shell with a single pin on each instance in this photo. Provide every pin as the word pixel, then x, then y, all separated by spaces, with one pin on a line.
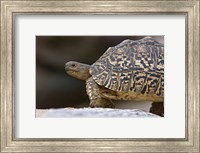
pixel 136 66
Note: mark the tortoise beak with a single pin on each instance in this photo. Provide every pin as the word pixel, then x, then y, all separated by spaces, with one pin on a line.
pixel 66 67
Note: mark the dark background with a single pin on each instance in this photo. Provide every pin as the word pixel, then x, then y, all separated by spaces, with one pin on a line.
pixel 54 88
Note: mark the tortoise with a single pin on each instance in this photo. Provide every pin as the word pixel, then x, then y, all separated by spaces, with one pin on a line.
pixel 131 70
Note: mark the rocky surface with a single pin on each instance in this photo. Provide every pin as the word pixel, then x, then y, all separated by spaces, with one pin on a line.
pixel 92 112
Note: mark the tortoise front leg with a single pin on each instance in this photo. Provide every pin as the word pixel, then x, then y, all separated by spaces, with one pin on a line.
pixel 157 108
pixel 93 92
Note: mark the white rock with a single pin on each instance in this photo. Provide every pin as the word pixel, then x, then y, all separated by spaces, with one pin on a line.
pixel 95 112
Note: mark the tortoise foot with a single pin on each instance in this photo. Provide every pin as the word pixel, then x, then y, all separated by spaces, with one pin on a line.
pixel 104 103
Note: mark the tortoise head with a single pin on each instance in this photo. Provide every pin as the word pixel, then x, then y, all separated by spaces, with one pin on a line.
pixel 77 70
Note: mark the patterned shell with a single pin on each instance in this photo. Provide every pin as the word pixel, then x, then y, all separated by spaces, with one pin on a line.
pixel 136 66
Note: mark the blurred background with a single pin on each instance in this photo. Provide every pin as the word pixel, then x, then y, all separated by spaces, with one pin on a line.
pixel 56 89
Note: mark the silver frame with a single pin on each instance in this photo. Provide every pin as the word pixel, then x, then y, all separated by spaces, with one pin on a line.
pixel 9 9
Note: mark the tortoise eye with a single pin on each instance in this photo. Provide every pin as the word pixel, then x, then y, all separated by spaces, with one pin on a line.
pixel 73 65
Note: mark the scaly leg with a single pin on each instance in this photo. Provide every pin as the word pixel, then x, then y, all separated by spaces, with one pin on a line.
pixel 93 92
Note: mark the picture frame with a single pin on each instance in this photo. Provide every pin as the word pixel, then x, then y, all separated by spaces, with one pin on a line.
pixel 9 9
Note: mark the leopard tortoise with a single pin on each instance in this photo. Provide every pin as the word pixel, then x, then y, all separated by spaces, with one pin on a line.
pixel 131 70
